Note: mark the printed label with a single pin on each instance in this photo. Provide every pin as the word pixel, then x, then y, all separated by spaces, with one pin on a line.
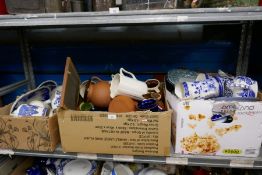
pixel 80 118
pixel 182 18
pixel 232 151
pixel 177 161
pixel 238 163
pixel 123 158
pixel 111 116
pixel 114 10
pixel 86 156
pixel 144 130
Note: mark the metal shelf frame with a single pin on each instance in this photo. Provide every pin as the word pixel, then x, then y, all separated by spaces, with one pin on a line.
pixel 245 15
pixel 173 159
pixel 27 65
pixel 201 15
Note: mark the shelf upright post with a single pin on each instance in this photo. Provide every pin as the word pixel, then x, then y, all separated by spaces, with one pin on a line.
pixel 26 58
pixel 244 48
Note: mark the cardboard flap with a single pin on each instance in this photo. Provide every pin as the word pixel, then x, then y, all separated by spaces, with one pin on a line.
pixel 259 95
pixel 71 86
pixel 6 109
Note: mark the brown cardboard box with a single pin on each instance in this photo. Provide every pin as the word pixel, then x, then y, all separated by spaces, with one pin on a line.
pixel 132 133
pixel 28 133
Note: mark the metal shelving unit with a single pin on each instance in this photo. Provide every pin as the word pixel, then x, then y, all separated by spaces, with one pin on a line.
pixel 173 159
pixel 245 16
pixel 200 15
pixel 27 64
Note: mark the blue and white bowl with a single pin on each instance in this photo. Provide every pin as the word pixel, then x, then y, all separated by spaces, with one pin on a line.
pixel 40 94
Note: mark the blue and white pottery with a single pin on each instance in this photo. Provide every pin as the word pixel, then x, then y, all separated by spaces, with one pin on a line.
pixel 26 110
pixel 207 88
pixel 49 83
pixel 56 97
pixel 148 104
pixel 244 87
pixel 34 170
pixel 222 118
pixel 40 94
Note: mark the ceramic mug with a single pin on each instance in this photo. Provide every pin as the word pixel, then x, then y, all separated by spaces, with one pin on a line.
pixel 153 85
pixel 129 86
pixel 241 86
pixel 26 110
pixel 208 88
pixel 244 87
pixel 107 168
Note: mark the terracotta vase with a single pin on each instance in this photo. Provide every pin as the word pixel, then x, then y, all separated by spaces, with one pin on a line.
pixel 99 94
pixel 122 103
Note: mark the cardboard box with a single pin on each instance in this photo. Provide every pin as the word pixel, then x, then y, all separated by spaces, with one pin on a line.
pixel 132 133
pixel 195 133
pixel 28 133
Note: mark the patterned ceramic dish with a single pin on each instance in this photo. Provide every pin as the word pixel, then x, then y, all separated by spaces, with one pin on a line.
pixel 39 94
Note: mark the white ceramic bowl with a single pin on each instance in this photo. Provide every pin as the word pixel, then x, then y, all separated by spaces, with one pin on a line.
pixel 121 169
pixel 151 171
pixel 79 167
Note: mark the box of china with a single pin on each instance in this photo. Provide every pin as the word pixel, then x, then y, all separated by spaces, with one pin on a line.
pixel 129 133
pixel 28 133
pixel 193 131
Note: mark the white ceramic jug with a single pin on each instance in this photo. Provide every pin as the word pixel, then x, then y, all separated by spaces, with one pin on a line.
pixel 129 86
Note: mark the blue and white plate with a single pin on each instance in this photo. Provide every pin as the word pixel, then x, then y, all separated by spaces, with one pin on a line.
pixel 39 94
pixel 49 83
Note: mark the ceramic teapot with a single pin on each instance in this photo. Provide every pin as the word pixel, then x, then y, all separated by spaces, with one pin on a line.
pixel 98 92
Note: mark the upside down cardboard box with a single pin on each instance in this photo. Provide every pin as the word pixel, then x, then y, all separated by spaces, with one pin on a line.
pixel 132 133
pixel 28 133
pixel 196 128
